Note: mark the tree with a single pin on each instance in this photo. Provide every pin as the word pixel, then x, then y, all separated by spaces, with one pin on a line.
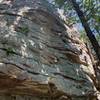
pixel 90 35
pixel 91 12
pixel 85 24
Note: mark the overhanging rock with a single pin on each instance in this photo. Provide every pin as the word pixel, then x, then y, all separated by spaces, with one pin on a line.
pixel 39 57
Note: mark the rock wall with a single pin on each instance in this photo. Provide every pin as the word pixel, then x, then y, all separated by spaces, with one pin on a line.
pixel 40 58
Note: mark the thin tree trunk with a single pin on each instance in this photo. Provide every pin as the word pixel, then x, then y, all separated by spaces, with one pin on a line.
pixel 87 28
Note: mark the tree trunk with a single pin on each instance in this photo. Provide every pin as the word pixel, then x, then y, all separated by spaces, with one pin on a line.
pixel 39 58
pixel 90 35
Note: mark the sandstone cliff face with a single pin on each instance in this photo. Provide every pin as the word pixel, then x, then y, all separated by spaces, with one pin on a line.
pixel 40 59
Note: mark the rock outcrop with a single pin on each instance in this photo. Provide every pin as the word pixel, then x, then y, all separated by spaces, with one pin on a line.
pixel 40 59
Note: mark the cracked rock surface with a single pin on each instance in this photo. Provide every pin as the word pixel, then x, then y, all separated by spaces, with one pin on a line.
pixel 40 59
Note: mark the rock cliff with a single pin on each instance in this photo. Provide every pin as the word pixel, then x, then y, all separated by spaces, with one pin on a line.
pixel 40 58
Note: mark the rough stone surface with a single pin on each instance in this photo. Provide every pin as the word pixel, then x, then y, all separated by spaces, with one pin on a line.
pixel 40 58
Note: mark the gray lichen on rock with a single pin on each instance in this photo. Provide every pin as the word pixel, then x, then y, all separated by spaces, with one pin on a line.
pixel 43 66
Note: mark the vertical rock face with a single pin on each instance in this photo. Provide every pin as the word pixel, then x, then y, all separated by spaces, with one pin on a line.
pixel 40 59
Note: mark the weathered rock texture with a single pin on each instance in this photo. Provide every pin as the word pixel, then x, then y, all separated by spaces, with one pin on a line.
pixel 40 58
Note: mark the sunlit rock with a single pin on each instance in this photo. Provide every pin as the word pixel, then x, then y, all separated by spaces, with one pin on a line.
pixel 40 59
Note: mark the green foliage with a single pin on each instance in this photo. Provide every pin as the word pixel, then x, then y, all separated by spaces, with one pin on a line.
pixel 90 8
pixel 83 36
pixel 98 38
pixel 9 50
pixel 60 3
pixel 68 10
pixel 23 29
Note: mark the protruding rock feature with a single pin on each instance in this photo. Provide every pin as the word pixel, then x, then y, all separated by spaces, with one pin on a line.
pixel 39 58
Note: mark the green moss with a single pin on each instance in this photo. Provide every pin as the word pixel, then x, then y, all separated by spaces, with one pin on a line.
pixel 9 51
pixel 23 30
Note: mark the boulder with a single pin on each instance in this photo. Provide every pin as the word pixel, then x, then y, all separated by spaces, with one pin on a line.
pixel 40 58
